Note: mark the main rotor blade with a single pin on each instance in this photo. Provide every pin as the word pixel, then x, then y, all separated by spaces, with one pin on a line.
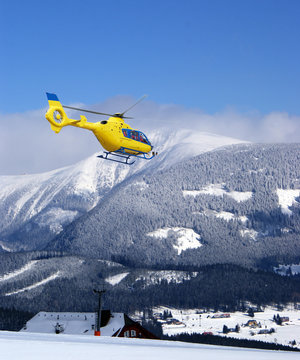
pixel 98 113
pixel 89 111
pixel 139 100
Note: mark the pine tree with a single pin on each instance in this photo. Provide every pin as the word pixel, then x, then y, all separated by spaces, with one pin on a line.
pixel 225 329
pixel 250 312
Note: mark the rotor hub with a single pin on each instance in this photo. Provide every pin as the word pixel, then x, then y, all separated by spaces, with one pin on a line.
pixel 57 116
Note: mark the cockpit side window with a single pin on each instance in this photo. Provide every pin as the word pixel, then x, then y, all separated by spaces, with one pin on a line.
pixel 143 138
pixel 135 135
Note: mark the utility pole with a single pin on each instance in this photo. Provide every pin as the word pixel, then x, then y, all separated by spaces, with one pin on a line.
pixel 98 312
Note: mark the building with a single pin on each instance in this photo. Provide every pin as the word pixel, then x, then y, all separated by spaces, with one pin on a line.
pixel 134 329
pixel 252 324
pixel 284 318
pixel 112 324
pixel 220 316
pixel 266 331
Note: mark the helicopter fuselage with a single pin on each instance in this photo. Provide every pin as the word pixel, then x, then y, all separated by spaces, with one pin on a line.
pixel 113 135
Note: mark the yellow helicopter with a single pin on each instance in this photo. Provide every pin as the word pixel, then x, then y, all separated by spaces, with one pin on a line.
pixel 120 141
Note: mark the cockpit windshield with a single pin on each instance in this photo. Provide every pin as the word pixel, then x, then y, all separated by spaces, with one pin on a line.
pixel 136 135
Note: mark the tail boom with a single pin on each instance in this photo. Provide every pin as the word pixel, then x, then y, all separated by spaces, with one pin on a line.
pixel 58 118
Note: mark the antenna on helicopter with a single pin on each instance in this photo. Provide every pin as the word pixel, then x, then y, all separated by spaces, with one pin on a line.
pixel 120 115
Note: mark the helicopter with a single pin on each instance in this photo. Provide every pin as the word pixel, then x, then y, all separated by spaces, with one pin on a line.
pixel 120 141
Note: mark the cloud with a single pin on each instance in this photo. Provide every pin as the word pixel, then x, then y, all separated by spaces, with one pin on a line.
pixel 280 127
pixel 28 145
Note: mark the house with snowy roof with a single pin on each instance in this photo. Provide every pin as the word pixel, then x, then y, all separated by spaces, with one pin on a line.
pixel 79 323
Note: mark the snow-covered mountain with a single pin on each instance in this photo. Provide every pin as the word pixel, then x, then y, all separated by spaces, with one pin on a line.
pixel 35 208
pixel 190 205
pixel 238 204
pixel 44 203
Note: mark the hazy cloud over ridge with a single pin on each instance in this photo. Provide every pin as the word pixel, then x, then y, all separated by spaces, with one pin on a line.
pixel 28 145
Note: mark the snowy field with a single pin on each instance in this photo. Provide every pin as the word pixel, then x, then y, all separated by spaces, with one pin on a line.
pixel 185 238
pixel 219 190
pixel 29 346
pixel 192 321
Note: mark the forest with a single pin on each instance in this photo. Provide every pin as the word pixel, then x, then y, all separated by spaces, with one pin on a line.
pixel 224 287
pixel 227 341
pixel 119 226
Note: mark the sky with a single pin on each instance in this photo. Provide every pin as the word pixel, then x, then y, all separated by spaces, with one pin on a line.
pixel 230 67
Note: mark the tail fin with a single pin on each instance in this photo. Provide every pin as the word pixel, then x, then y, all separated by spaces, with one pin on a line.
pixel 56 114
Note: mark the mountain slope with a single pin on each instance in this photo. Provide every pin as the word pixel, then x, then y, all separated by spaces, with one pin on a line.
pixel 39 205
pixel 228 205
pixel 35 208
pixel 32 280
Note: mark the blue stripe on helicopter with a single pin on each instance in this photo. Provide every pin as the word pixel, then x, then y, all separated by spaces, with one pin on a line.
pixel 52 97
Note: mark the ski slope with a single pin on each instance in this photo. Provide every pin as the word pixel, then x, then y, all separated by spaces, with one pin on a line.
pixel 35 285
pixel 18 272
pixel 29 346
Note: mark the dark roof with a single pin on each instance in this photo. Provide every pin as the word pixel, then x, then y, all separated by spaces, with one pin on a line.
pixel 129 321
pixel 105 316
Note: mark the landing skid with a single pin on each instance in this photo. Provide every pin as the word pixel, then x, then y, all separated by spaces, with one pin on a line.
pixel 124 157
pixel 123 154
pixel 139 155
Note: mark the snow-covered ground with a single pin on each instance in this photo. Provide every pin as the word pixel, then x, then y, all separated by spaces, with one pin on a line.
pixel 116 279
pixel 154 277
pixel 72 323
pixel 252 234
pixel 193 321
pixel 287 198
pixel 224 215
pixel 293 269
pixel 30 346
pixel 185 238
pixel 219 190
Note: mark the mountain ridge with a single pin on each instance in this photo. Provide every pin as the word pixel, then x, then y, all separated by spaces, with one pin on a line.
pixel 41 205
